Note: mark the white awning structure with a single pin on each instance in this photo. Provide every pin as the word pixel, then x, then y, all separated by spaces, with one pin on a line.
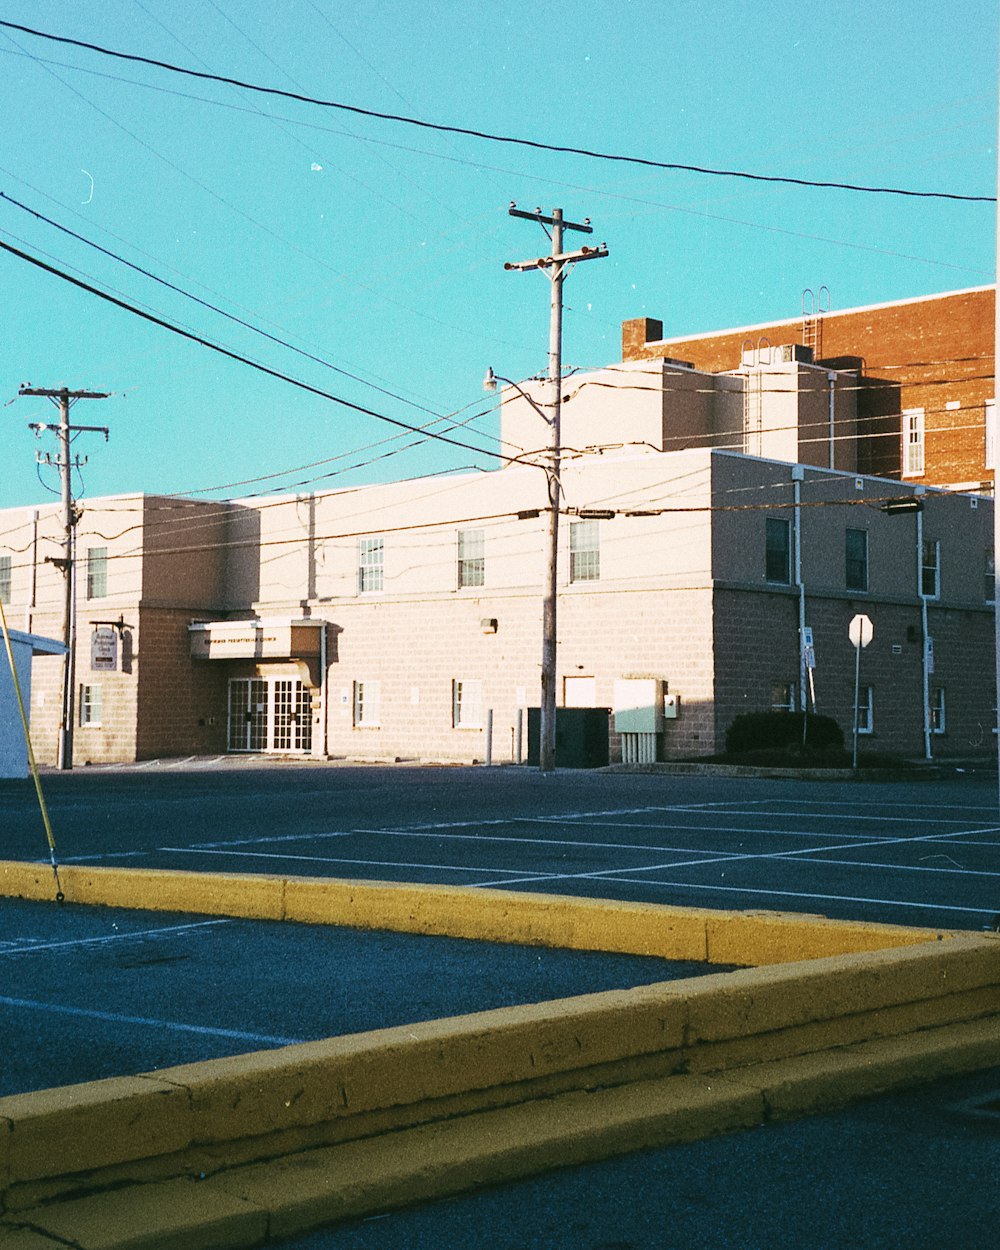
pixel 13 748
pixel 274 638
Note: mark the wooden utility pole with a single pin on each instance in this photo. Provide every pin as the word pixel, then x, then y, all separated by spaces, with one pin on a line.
pixel 64 399
pixel 555 267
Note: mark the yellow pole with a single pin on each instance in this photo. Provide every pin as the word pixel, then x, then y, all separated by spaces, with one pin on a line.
pixel 31 754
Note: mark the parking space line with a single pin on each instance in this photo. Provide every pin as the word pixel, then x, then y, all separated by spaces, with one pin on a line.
pixel 802 894
pixel 7 948
pixel 173 1026
pixel 320 859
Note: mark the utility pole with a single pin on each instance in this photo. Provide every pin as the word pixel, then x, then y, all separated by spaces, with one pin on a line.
pixel 64 399
pixel 555 267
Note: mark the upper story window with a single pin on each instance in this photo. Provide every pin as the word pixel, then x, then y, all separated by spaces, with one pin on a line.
pixel 777 558
pixel 370 556
pixel 913 442
pixel 930 569
pixel 584 551
pixel 856 560
pixel 989 575
pixel 471 558
pixel 5 579
pixel 97 572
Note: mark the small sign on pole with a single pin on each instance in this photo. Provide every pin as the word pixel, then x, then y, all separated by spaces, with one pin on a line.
pixel 860 631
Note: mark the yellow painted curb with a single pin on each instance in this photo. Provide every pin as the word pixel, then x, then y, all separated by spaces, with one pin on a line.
pixel 677 933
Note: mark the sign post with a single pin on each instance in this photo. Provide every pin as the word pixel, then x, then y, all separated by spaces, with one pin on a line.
pixel 860 631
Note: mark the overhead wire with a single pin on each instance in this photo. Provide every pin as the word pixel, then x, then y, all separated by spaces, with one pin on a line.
pixel 240 359
pixel 535 144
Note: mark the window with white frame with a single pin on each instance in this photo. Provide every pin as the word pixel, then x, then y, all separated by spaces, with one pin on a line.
pixel 777 550
pixel 584 551
pixel 90 706
pixel 783 696
pixel 471 558
pixel 97 572
pixel 937 710
pixel 367 704
pixel 989 574
pixel 371 552
pixel 930 569
pixel 467 704
pixel 5 579
pixel 990 451
pixel 866 710
pixel 913 442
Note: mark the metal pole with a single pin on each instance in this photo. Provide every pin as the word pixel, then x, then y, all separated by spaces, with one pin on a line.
pixel 996 501
pixel 857 691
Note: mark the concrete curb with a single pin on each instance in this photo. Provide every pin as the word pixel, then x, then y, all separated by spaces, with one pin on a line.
pixel 680 933
pixel 294 1137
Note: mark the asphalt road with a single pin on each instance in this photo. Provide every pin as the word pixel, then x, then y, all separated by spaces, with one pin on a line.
pixel 923 852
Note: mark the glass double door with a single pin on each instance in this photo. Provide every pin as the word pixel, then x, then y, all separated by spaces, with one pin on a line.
pixel 270 714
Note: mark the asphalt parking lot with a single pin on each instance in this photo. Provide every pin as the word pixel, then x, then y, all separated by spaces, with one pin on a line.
pixel 91 992
pixel 922 852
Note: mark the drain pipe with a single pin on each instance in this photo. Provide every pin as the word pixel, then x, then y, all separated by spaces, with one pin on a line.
pixel 798 473
pixel 924 664
pixel 832 381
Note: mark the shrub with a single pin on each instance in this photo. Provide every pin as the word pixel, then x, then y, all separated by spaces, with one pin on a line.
pixel 782 731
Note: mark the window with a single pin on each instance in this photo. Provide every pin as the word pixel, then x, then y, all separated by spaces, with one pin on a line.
pixel 584 551
pixel 367 704
pixel 866 710
pixel 90 706
pixel 990 452
pixel 856 552
pixel 5 579
pixel 471 558
pixel 783 696
pixel 97 572
pixel 777 558
pixel 937 710
pixel 930 569
pixel 989 575
pixel 913 442
pixel 467 704
pixel 370 554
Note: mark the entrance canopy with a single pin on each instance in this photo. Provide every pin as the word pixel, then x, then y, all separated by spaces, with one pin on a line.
pixel 278 638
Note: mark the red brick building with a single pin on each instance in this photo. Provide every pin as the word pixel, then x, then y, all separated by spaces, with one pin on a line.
pixel 925 376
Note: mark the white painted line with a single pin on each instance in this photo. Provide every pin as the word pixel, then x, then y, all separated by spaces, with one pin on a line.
pixel 749 890
pixel 318 859
pixel 110 1017
pixel 105 939
pixel 957 871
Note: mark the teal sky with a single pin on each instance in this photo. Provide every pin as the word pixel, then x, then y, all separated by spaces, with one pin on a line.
pixel 379 247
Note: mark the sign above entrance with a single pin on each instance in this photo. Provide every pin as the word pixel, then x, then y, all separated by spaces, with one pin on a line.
pixel 256 640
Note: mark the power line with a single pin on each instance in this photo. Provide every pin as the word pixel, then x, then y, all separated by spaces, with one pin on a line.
pixel 537 145
pixel 245 360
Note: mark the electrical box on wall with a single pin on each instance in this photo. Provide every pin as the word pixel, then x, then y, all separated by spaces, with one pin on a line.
pixel 671 706
pixel 638 705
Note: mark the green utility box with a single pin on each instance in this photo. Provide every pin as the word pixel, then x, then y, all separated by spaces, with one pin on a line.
pixel 582 735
